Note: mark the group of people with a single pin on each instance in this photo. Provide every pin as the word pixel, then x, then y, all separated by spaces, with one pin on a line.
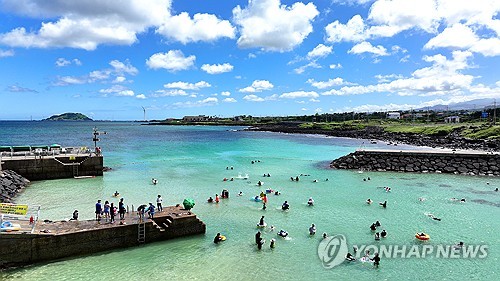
pixel 108 210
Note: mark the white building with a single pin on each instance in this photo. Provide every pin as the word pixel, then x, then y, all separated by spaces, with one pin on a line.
pixel 393 115
pixel 452 119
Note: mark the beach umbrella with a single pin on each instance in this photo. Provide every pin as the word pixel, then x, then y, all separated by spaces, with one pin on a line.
pixel 188 203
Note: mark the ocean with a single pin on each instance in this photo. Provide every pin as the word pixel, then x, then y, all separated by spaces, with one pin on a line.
pixel 191 162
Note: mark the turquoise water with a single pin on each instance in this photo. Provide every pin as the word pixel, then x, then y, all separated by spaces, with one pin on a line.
pixel 192 161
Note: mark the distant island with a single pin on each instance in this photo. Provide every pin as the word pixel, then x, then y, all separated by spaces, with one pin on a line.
pixel 68 117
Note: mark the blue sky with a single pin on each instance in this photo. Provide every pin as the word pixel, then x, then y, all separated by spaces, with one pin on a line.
pixel 108 58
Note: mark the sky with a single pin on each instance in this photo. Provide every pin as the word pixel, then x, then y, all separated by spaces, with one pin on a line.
pixel 109 59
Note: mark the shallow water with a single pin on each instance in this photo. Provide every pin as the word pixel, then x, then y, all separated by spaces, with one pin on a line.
pixel 192 161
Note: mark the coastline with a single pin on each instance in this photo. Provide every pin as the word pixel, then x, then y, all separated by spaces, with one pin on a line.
pixel 450 141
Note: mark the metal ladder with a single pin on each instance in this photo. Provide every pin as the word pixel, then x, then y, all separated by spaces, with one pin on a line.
pixel 75 170
pixel 141 233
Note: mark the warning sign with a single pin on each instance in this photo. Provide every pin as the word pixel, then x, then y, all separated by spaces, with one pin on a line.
pixel 13 209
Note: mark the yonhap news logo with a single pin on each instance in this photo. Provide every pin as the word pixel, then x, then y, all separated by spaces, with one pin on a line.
pixel 332 251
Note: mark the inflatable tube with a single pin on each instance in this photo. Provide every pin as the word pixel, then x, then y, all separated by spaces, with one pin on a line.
pixel 422 237
pixel 256 199
pixel 261 225
pixel 7 226
pixel 365 259
pixel 223 238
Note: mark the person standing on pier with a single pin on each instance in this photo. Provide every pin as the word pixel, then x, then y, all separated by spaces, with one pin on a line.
pixel 98 211
pixel 159 200
pixel 112 212
pixel 151 211
pixel 121 209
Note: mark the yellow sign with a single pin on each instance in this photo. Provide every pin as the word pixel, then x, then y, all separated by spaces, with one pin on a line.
pixel 13 209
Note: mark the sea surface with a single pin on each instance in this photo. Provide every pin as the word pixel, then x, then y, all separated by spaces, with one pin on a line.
pixel 191 161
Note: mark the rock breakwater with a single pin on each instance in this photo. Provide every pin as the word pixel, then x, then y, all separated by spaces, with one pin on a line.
pixel 11 183
pixel 423 162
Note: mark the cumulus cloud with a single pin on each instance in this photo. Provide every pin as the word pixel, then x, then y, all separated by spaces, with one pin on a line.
pixel 8 53
pixel 173 60
pixel 257 86
pixel 335 66
pixel 217 68
pixel 299 94
pixel 328 84
pixel 202 27
pixel 19 89
pixel 230 100
pixel 169 93
pixel 86 24
pixel 115 73
pixel 141 96
pixel 272 26
pixel 200 103
pixel 187 86
pixel 443 77
pixel 366 47
pixel 255 98
pixel 69 80
pixel 226 94
pixel 319 51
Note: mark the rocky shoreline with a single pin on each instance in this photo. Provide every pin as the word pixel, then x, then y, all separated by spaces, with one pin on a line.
pixel 11 183
pixel 452 140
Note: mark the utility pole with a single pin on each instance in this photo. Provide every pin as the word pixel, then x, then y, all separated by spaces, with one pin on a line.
pixel 494 111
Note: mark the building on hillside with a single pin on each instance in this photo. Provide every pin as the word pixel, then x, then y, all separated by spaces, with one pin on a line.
pixel 452 119
pixel 393 115
pixel 199 118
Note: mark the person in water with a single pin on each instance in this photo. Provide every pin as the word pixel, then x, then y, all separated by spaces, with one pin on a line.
pixel 283 233
pixel 259 183
pixel 377 223
pixel 373 227
pixel 377 236
pixel 325 235
pixel 264 205
pixel 383 204
pixel 369 201
pixel 462 200
pixel 277 193
pixel 376 260
pixel 496 189
pixel 312 229
pixel 261 222
pixel 116 194
pixel 297 178
pixel 217 198
pixel 75 215
pixel 272 241
pixel 310 202
pixel 272 228
pixel 260 243
pixel 257 237
pixel 350 257
pixel 285 206
pixel 154 181
pixel 383 234
pixel 210 200
pixel 240 194
pixel 217 238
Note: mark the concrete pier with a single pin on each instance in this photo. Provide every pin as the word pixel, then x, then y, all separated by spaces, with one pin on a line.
pixel 55 166
pixel 55 240
pixel 424 161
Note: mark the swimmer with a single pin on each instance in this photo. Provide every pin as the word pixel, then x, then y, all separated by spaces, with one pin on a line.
pixel 369 201
pixel 261 222
pixel 421 199
pixel 462 200
pixel 272 241
pixel 310 202
pixel 315 180
pixel 216 198
pixel 292 178
pixel 325 235
pixel 116 194
pixel 383 234
pixel 312 229
pixel 285 206
pixel 297 178
pixel 350 257
pixel 264 206
pixel 377 236
pixel 240 194
pixel 232 179
pixel 373 227
pixel 377 224
pixel 459 245
pixel 272 228
pixel 210 200
pixel 259 183
pixel 326 179
pixel 277 193
pixel 217 238
pixel 283 233
pixel 154 181
pixel 383 204
pixel 496 189
pixel 376 260
pixel 257 237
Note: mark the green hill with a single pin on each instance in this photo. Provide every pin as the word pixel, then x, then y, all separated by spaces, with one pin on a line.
pixel 68 117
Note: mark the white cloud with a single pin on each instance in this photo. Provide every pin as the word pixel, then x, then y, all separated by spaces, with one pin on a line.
pixel 62 62
pixel 226 94
pixel 169 93
pixel 126 93
pixel 353 30
pixel 123 68
pixel 443 77
pixel 387 78
pixel 252 56
pixel 229 100
pixel 77 62
pixel 301 69
pixel 69 80
pixel 257 86
pixel 217 68
pixel 253 98
pixel 173 60
pixel 202 27
pixel 314 100
pixel 320 51
pixel 187 86
pixel 141 96
pixel 299 94
pixel 113 89
pixel 205 102
pixel 273 26
pixel 328 84
pixel 366 47
pixel 334 66
pixel 19 89
pixel 119 79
